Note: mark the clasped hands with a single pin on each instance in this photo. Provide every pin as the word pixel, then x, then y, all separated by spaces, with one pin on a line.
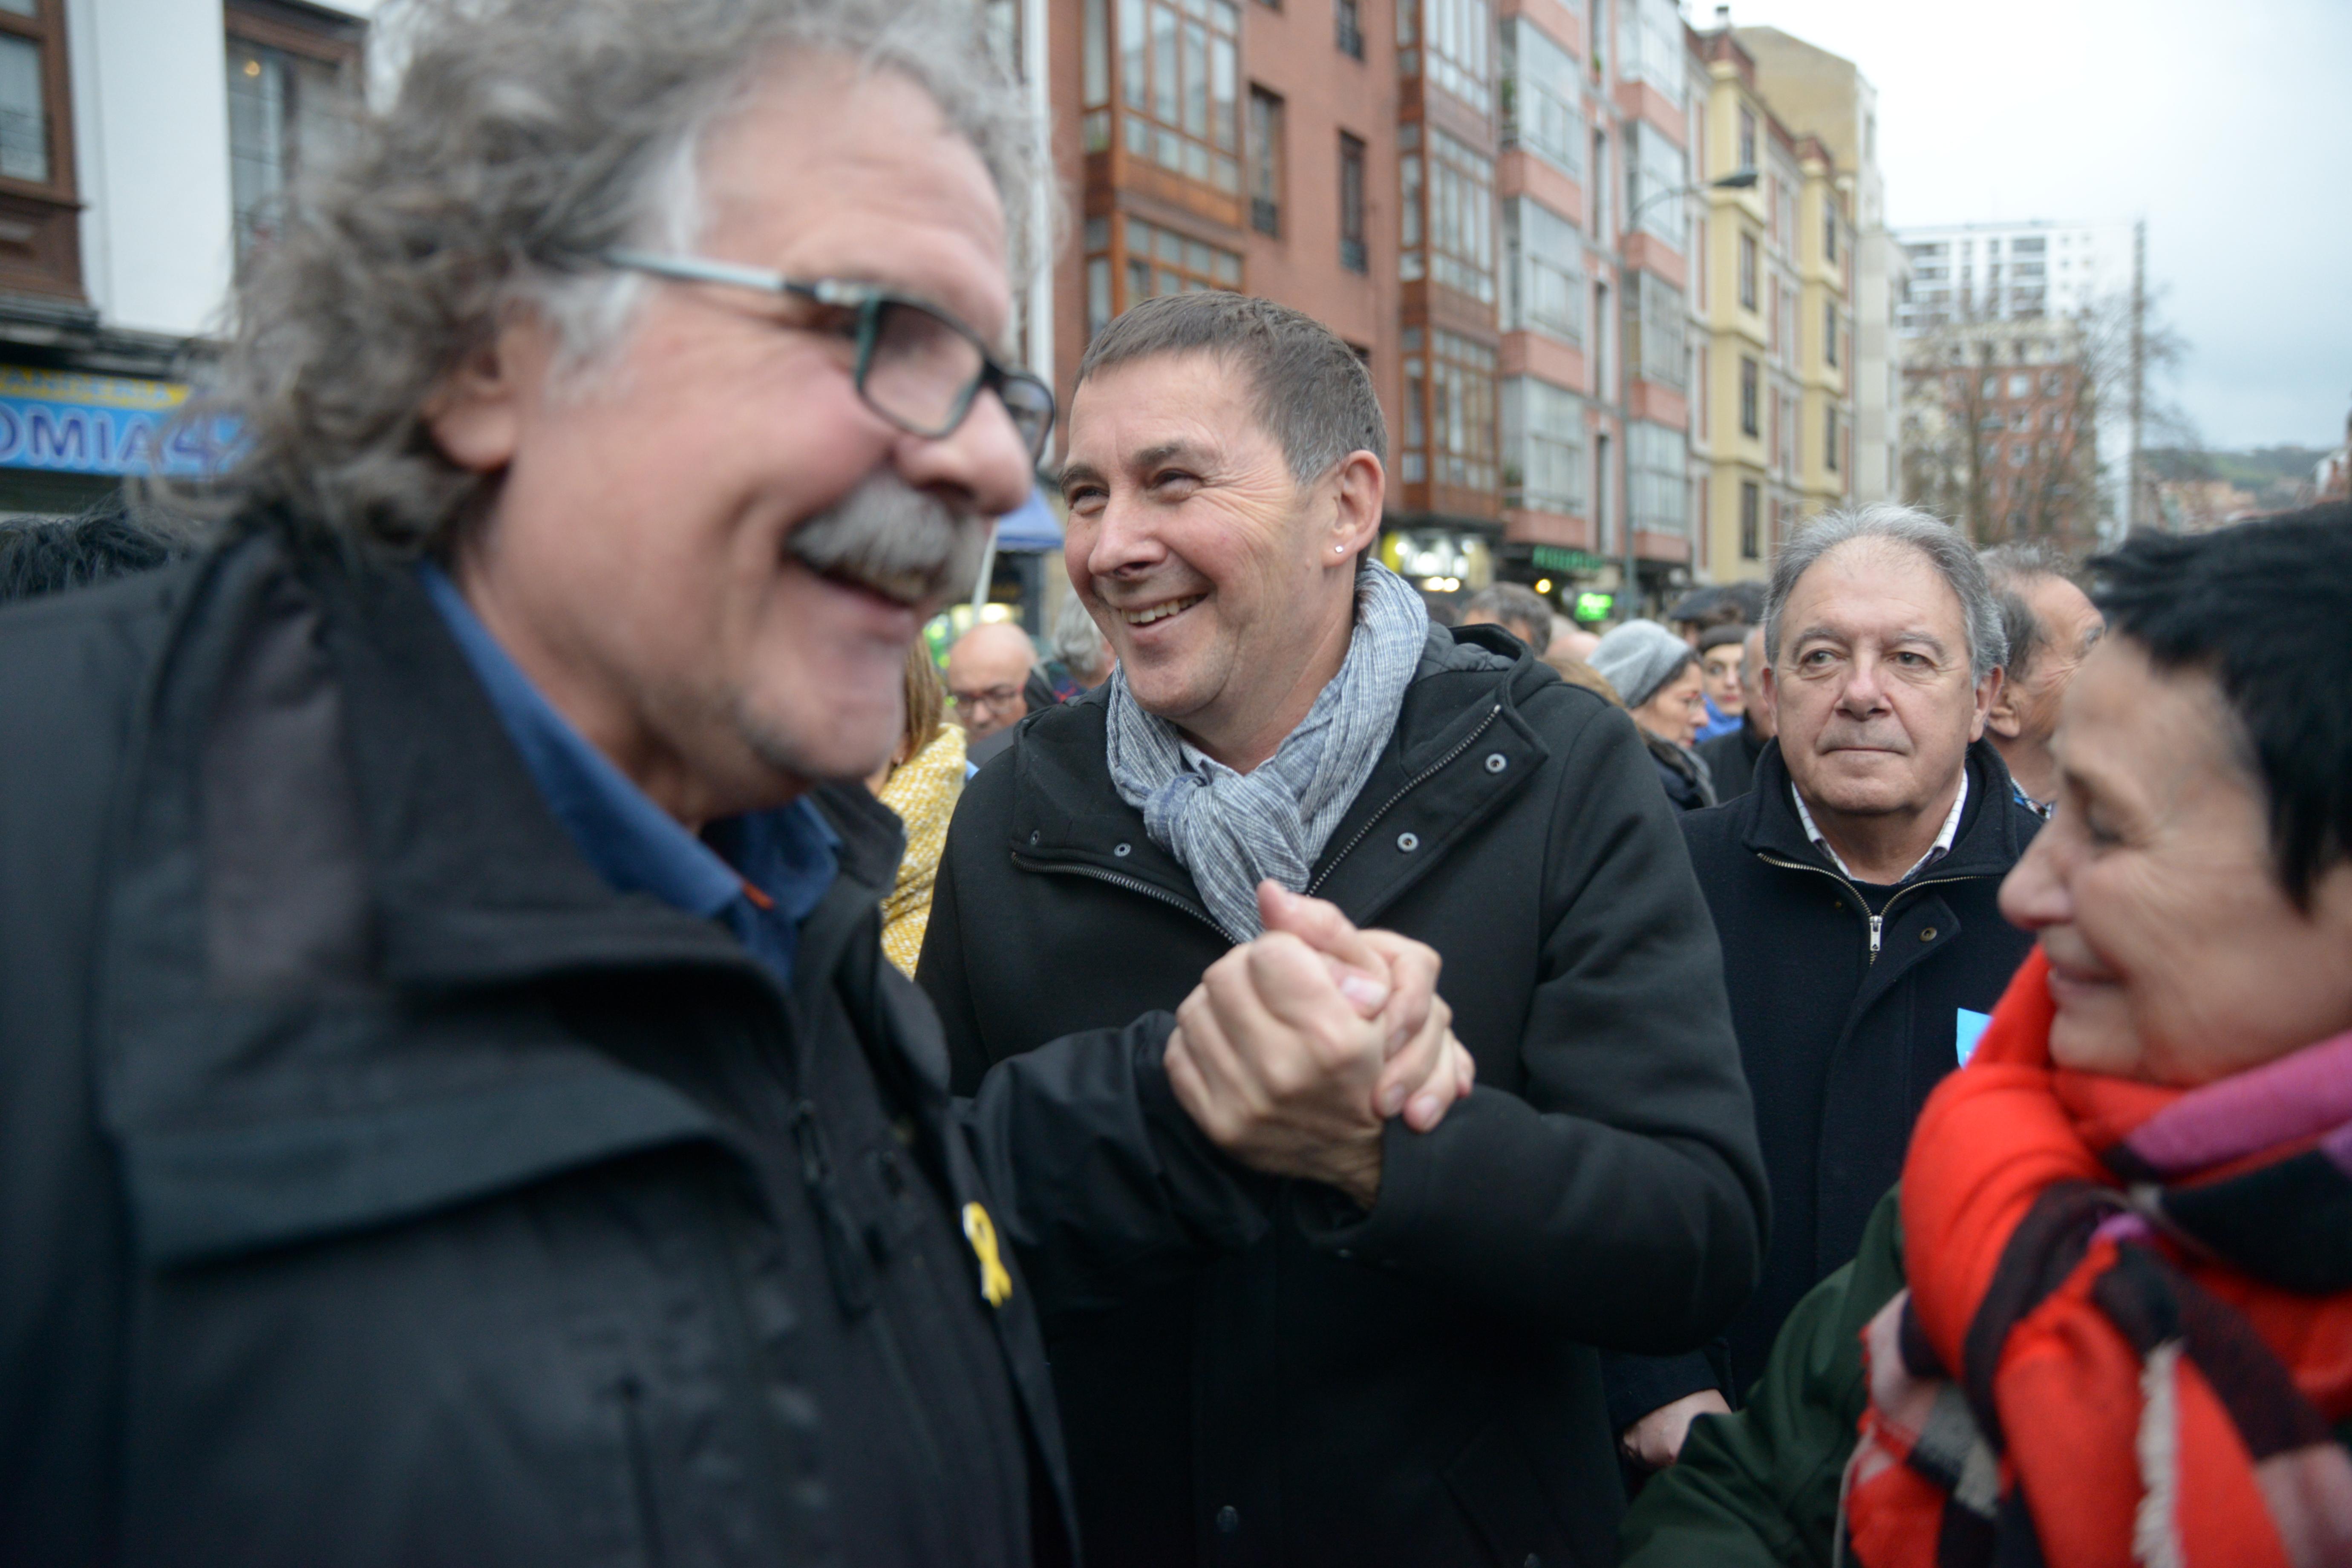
pixel 1295 1049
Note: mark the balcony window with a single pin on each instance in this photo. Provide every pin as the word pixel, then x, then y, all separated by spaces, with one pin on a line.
pixel 1540 97
pixel 1746 271
pixel 1657 460
pixel 1459 430
pixel 1655 169
pixel 1162 261
pixel 1747 138
pixel 1751 520
pixel 1543 261
pixel 1650 47
pixel 1449 43
pixel 1178 82
pixel 1543 447
pixel 1451 216
pixel 1657 321
pixel 1750 378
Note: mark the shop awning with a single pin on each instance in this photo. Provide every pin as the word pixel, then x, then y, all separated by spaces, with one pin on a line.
pixel 1032 527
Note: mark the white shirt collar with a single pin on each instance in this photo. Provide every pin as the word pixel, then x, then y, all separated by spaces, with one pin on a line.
pixel 1935 851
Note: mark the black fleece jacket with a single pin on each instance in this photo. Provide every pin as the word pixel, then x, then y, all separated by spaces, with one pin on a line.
pixel 1416 1385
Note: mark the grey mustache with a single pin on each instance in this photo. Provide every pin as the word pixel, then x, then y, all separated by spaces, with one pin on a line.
pixel 890 537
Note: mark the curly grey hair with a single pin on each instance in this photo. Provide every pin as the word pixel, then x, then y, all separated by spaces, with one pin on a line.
pixel 523 141
pixel 1941 542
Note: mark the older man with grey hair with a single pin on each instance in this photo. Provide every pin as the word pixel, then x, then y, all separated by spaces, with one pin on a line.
pixel 454 1107
pixel 2052 625
pixel 1854 888
pixel 1402 1370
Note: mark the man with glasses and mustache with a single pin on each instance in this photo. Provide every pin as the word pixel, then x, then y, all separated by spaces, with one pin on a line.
pixel 453 1105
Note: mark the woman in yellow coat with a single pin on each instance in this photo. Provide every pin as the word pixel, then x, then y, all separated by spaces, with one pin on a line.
pixel 922 783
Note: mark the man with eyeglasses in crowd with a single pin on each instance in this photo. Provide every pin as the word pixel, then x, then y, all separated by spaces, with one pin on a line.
pixel 989 681
pixel 454 1106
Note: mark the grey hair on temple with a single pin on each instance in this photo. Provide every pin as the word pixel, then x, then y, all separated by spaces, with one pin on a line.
pixel 1886 523
pixel 523 140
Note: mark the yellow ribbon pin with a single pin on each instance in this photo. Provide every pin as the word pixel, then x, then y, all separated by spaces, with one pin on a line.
pixel 995 1283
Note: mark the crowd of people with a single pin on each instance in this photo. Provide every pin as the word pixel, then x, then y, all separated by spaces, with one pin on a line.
pixel 536 1027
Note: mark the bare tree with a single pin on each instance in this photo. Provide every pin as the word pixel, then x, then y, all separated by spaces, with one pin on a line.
pixel 2002 419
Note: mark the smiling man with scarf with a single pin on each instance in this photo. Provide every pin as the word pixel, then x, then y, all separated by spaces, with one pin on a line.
pixel 1401 1369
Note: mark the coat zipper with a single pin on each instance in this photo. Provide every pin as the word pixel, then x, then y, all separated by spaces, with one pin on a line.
pixel 1878 921
pixel 1410 786
pixel 1132 884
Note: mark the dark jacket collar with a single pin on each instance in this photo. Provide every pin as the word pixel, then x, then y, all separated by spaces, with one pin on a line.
pixel 1987 845
pixel 475 881
pixel 1068 816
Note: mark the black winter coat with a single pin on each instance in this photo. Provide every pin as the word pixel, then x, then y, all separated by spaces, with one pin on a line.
pixel 1843 1032
pixel 1414 1386
pixel 378 1186
pixel 1730 760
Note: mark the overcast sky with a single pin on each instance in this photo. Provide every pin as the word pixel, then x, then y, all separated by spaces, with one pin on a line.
pixel 2227 126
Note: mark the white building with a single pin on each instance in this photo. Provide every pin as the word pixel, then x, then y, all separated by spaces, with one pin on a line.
pixel 142 145
pixel 1999 272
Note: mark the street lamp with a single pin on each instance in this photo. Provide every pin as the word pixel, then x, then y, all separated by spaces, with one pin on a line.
pixel 1737 179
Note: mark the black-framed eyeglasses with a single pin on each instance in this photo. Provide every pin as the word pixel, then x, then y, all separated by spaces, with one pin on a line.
pixel 918 366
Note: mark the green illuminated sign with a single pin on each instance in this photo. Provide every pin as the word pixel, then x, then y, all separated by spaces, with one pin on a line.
pixel 1594 606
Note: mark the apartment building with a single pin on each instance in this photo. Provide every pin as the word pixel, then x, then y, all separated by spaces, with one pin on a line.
pixel 142 150
pixel 2040 304
pixel 2003 434
pixel 1967 273
pixel 1487 200
pixel 1825 96
pixel 1775 356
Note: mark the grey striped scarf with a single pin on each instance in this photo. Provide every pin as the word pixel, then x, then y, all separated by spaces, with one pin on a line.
pixel 1230 829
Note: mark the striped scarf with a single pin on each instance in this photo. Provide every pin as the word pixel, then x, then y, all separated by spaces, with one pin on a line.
pixel 1233 830
pixel 2129 1323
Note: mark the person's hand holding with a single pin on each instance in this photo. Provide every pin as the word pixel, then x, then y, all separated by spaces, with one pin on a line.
pixel 1392 979
pixel 1287 1054
pixel 1656 1440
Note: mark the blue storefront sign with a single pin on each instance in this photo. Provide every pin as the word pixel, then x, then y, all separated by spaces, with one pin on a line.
pixel 64 422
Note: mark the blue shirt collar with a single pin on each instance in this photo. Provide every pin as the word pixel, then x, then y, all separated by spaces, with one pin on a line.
pixel 786 858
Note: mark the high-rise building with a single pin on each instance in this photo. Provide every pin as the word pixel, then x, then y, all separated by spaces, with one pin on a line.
pixel 1967 273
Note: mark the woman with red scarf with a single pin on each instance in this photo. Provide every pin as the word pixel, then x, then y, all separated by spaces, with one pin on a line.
pixel 2106 1318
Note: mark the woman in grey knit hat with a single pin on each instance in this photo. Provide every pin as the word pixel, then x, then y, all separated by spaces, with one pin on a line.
pixel 1659 676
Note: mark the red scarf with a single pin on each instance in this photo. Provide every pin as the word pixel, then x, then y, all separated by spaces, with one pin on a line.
pixel 2128 1328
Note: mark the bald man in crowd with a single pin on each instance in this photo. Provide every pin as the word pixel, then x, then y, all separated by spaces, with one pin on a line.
pixel 987 670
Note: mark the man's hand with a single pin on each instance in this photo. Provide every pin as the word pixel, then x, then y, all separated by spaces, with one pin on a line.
pixel 1393 979
pixel 1288 1056
pixel 1655 1441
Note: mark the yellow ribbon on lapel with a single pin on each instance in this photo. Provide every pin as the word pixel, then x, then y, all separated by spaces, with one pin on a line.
pixel 995 1283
